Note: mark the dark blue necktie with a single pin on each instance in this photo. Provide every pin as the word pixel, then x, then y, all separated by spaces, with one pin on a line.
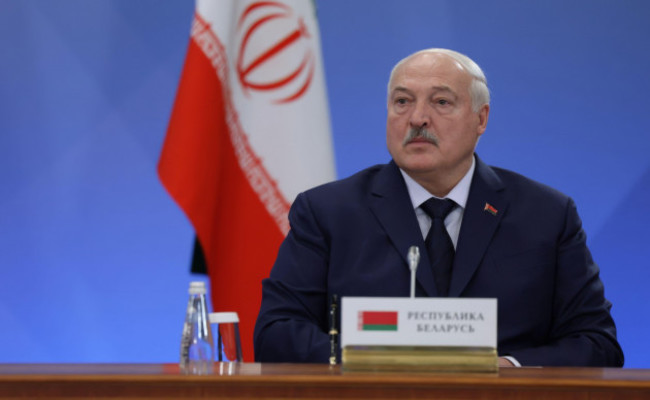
pixel 438 243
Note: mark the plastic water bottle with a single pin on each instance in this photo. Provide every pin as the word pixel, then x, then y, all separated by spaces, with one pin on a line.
pixel 197 344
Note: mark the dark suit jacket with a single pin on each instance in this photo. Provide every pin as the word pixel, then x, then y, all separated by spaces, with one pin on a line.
pixel 351 238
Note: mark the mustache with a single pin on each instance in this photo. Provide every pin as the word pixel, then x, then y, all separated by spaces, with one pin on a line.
pixel 420 132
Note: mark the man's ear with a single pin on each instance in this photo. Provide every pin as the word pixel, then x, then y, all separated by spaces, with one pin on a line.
pixel 483 114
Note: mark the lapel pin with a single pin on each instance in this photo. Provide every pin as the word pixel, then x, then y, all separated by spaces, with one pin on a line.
pixel 488 207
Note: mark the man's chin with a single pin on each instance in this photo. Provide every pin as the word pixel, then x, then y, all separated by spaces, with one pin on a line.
pixel 418 168
pixel 418 160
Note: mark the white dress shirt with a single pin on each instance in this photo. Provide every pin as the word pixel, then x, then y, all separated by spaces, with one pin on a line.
pixel 458 194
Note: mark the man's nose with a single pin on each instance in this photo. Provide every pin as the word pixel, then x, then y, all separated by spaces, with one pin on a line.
pixel 420 116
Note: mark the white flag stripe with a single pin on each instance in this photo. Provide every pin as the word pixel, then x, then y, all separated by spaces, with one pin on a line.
pixel 276 46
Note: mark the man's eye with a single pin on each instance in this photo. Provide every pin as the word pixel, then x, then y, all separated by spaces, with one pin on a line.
pixel 401 101
pixel 442 102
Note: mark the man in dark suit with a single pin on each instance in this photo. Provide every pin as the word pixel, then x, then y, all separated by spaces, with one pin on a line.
pixel 515 239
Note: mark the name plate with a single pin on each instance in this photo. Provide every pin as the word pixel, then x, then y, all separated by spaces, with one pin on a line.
pixel 397 321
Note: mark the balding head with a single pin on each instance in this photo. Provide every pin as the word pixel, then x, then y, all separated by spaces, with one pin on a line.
pixel 478 88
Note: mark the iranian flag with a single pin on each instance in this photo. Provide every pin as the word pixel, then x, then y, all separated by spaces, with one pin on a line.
pixel 249 131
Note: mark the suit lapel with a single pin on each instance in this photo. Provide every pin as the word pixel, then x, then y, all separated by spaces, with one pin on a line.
pixel 485 207
pixel 390 203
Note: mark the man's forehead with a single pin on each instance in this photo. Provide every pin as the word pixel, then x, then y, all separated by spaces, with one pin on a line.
pixel 439 72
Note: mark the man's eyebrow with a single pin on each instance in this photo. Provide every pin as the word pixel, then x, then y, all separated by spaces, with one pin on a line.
pixel 434 89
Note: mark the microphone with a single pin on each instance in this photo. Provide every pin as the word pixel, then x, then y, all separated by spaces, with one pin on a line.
pixel 414 260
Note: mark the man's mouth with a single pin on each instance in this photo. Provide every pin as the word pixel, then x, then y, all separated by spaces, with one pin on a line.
pixel 421 139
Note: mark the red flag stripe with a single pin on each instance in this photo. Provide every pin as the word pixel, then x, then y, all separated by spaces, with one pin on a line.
pixel 379 317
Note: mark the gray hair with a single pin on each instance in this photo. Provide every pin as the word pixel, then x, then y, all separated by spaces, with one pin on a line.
pixel 478 89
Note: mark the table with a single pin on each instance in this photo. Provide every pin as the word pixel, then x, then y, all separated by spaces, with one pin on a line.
pixel 313 381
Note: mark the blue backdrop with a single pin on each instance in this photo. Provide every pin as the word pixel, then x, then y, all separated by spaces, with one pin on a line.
pixel 93 252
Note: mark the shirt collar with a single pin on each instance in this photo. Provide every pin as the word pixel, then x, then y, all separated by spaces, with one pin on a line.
pixel 458 194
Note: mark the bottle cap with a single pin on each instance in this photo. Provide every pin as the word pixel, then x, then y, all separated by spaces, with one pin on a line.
pixel 223 317
pixel 197 287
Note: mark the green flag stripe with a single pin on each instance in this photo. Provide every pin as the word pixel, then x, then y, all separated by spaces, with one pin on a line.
pixel 379 327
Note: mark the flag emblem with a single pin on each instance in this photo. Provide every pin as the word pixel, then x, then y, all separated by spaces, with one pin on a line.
pixel 275 37
pixel 489 208
pixel 377 320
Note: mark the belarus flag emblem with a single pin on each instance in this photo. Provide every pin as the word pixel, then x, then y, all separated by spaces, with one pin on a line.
pixel 377 320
